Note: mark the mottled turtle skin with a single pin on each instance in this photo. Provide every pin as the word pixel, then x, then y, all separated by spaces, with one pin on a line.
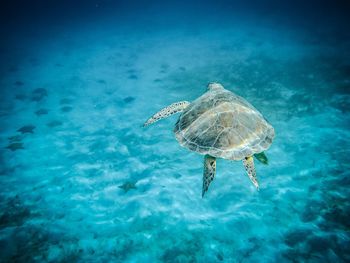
pixel 223 125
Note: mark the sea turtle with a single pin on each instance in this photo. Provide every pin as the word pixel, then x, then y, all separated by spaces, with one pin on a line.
pixel 220 124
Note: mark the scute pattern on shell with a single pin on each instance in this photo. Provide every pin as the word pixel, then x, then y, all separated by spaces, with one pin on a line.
pixel 224 125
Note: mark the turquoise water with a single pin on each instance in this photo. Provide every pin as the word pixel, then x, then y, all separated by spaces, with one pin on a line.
pixel 82 181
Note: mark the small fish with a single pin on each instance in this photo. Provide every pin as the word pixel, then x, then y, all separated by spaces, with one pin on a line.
pixel 66 109
pixel 27 129
pixel 54 123
pixel 15 146
pixel 127 186
pixel 157 80
pixel 42 112
pixel 128 99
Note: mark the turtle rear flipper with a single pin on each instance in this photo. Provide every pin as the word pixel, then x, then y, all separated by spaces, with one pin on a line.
pixel 209 172
pixel 261 157
pixel 249 166
pixel 167 111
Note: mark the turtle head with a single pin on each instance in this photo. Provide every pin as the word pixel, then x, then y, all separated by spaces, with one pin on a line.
pixel 214 86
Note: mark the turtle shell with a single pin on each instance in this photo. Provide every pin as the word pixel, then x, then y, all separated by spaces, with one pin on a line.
pixel 224 125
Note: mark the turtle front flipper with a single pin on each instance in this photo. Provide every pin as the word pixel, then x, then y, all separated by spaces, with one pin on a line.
pixel 249 166
pixel 209 172
pixel 167 111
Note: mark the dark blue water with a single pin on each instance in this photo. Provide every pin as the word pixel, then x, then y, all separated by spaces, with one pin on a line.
pixel 82 181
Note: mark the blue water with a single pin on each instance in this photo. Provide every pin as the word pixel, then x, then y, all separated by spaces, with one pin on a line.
pixel 82 181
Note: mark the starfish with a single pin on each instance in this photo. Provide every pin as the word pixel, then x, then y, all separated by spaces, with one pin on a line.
pixel 27 129
pixel 41 112
pixel 127 186
pixel 15 146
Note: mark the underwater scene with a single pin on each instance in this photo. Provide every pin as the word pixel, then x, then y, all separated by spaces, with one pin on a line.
pixel 82 179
